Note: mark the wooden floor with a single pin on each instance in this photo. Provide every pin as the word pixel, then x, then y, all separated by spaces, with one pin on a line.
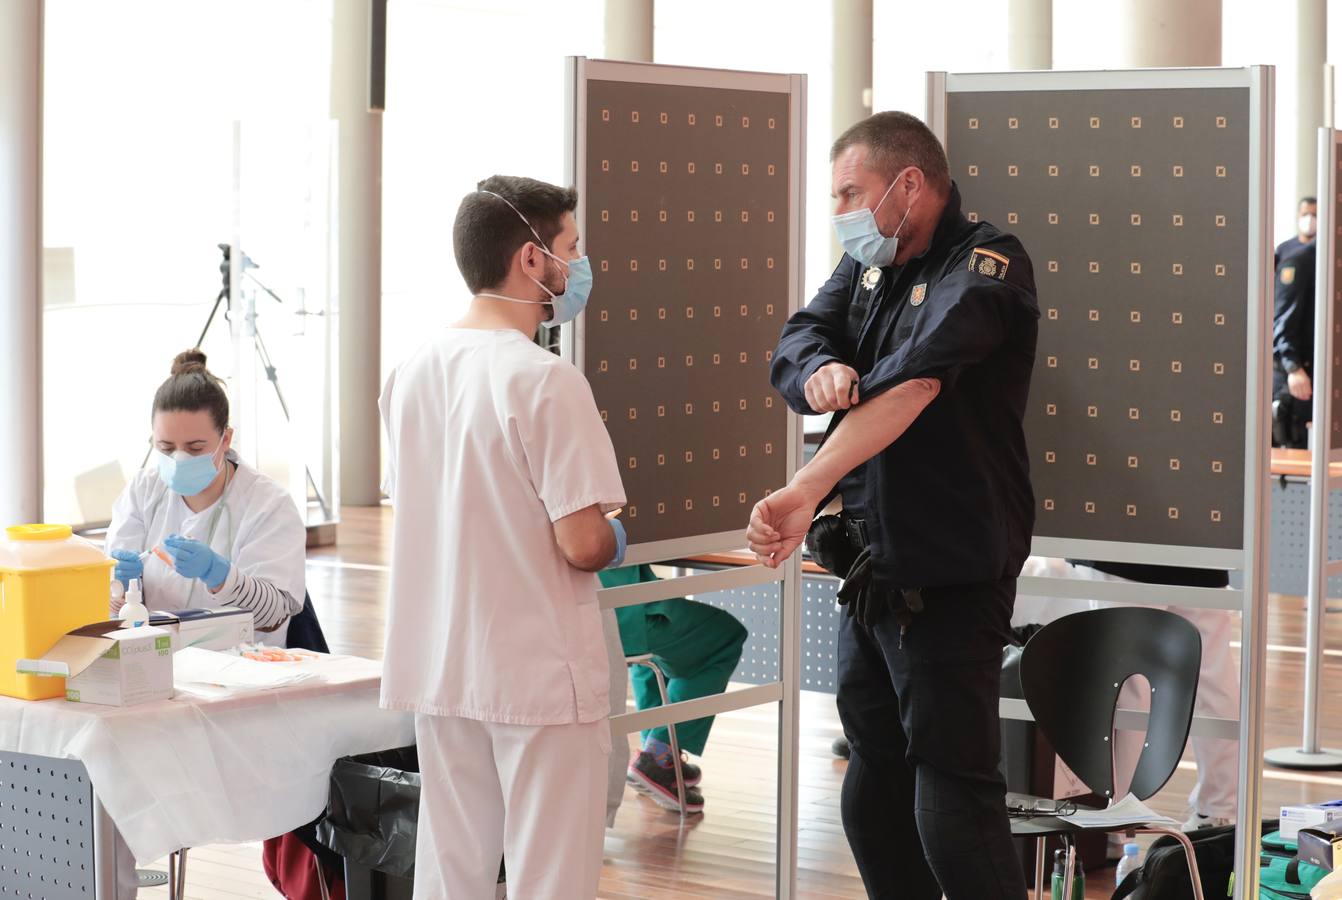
pixel 729 851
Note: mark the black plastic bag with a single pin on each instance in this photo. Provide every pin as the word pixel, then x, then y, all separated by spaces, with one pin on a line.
pixel 373 810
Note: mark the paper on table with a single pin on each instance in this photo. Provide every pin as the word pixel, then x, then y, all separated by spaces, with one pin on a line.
pixel 1128 811
pixel 196 666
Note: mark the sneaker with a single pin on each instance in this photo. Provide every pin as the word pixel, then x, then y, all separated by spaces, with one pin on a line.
pixel 659 782
pixel 691 773
pixel 1198 820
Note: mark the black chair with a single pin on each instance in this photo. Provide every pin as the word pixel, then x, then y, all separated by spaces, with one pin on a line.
pixel 1071 673
pixel 305 632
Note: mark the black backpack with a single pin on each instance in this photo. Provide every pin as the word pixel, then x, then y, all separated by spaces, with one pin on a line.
pixel 1164 873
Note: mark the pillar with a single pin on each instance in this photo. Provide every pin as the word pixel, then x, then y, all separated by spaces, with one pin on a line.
pixel 629 30
pixel 851 34
pixel 1311 50
pixel 360 248
pixel 20 261
pixel 1030 34
pixel 1161 34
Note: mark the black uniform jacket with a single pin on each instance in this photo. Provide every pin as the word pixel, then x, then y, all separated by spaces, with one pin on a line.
pixel 1293 306
pixel 950 501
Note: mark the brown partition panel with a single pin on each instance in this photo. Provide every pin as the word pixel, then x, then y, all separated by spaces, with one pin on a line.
pixel 688 208
pixel 1133 206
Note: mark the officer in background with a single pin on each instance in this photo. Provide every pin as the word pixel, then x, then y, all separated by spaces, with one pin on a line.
pixel 922 343
pixel 1293 333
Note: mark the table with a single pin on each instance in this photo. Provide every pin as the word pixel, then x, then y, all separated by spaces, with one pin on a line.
pixel 177 773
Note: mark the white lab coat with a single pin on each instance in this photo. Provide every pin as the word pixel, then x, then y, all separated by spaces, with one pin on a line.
pixel 255 526
pixel 491 441
pixel 493 639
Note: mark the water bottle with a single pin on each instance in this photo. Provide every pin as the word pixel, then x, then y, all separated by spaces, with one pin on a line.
pixel 1131 862
pixel 1060 876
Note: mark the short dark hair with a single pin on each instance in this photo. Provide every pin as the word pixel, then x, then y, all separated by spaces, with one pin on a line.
pixel 191 387
pixel 1312 201
pixel 487 231
pixel 898 140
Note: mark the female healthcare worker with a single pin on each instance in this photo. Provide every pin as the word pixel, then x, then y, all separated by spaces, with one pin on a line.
pixel 233 534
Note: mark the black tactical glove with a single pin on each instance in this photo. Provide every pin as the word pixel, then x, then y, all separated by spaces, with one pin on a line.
pixel 856 595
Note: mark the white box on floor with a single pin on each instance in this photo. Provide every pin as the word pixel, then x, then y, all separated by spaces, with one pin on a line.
pixel 1306 815
pixel 209 629
pixel 109 665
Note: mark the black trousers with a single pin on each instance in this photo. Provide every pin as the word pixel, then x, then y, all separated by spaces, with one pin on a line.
pixel 923 802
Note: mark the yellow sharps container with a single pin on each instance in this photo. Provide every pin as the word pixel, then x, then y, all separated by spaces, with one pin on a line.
pixel 50 583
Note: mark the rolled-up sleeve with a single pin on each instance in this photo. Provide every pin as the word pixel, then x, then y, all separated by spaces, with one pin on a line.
pixel 969 315
pixel 814 337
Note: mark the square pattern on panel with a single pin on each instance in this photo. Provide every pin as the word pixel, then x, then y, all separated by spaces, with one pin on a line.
pixel 687 212
pixel 1133 206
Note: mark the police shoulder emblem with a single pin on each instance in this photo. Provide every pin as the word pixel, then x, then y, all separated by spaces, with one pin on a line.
pixel 919 294
pixel 989 263
pixel 1288 275
pixel 871 278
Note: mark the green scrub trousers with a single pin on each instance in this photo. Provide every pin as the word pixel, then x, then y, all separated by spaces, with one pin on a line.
pixel 696 645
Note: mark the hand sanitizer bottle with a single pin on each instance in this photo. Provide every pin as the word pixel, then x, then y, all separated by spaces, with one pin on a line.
pixel 134 613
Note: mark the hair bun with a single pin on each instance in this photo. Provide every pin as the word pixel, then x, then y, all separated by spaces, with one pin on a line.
pixel 189 361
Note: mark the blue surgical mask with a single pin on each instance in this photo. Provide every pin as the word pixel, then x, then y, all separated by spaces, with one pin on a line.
pixel 572 300
pixel 186 474
pixel 861 237
pixel 577 288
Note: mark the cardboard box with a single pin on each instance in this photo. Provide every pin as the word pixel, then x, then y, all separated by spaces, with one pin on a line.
pixel 1320 845
pixel 1308 815
pixel 109 665
pixel 208 629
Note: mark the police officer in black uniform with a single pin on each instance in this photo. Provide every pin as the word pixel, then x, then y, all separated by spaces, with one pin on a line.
pixel 922 343
pixel 1293 333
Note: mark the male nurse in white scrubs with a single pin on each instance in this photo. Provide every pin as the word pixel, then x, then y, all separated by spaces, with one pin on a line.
pixel 503 480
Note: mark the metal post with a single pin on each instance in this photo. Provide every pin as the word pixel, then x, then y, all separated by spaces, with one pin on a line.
pixel 1309 755
pixel 1253 628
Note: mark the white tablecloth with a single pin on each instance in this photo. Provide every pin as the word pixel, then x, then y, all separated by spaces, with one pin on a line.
pixel 190 771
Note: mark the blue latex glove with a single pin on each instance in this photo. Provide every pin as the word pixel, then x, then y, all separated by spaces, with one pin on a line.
pixel 621 543
pixel 193 559
pixel 128 566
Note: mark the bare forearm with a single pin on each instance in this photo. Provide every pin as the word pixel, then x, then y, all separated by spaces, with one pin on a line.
pixel 865 431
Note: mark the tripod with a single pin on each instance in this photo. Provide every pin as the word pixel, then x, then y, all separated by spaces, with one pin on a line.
pixel 259 345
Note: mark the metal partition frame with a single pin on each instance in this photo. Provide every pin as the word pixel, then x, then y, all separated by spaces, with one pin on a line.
pixel 1327 448
pixel 580 73
pixel 1250 556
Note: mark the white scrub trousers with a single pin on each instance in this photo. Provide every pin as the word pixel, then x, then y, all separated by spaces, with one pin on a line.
pixel 535 795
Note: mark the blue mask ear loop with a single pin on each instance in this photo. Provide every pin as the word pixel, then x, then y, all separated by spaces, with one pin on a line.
pixel 906 212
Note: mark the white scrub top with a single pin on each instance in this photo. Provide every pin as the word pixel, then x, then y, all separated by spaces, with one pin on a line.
pixel 491 440
pixel 255 526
